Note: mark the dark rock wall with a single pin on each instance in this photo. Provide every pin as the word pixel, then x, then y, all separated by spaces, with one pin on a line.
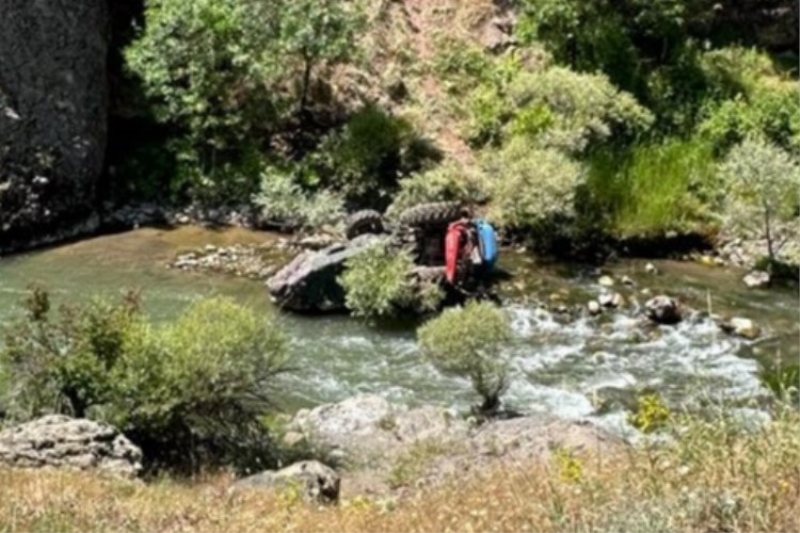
pixel 53 115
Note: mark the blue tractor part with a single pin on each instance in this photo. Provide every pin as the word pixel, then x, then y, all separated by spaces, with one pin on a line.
pixel 487 242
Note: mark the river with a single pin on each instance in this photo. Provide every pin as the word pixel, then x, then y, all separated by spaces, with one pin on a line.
pixel 556 367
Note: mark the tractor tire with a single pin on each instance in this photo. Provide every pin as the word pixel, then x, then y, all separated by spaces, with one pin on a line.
pixel 361 222
pixel 435 214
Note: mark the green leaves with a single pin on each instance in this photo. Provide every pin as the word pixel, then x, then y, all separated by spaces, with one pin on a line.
pixel 206 378
pixel 468 343
pixel 377 281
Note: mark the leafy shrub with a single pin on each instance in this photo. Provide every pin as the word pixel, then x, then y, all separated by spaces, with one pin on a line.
pixel 773 112
pixel 530 186
pixel 761 182
pixel 221 74
pixel 487 111
pixel 284 203
pixel 186 391
pixel 467 342
pixel 367 158
pixel 577 110
pixel 378 283
pixel 449 181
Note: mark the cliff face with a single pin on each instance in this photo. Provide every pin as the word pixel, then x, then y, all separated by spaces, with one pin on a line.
pixel 53 116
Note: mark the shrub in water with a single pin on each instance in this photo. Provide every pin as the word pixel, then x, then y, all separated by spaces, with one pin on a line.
pixel 468 343
pixel 378 283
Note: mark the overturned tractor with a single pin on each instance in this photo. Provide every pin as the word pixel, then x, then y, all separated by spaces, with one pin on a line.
pixel 448 245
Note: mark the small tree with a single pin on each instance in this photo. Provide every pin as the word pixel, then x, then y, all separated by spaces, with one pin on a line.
pixel 317 31
pixel 762 183
pixel 467 343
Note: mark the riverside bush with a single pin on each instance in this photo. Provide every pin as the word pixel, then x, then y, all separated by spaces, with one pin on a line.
pixel 284 204
pixel 449 181
pixel 761 182
pixel 467 342
pixel 530 187
pixel 188 393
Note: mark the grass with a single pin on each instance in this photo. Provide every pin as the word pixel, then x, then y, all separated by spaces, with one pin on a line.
pixel 711 478
pixel 655 188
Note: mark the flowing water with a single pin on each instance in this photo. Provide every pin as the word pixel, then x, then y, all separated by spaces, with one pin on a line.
pixel 557 367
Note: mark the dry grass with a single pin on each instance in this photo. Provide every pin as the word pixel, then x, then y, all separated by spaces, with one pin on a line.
pixel 711 479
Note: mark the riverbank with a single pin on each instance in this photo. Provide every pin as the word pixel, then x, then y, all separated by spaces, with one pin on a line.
pixel 750 484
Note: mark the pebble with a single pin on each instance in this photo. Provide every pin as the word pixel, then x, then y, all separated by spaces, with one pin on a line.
pixel 756 279
pixel 594 307
pixel 650 268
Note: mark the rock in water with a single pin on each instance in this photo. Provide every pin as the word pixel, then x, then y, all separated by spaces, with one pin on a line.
pixel 611 300
pixel 53 117
pixel 594 307
pixel 650 268
pixel 663 310
pixel 61 441
pixel 319 483
pixel 757 279
pixel 743 327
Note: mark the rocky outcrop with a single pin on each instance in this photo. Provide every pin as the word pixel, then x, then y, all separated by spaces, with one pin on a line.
pixel 393 444
pixel 61 441
pixel 317 482
pixel 53 115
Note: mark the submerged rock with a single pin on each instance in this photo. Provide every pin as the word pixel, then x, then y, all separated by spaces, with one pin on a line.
pixel 61 441
pixel 319 483
pixel 663 310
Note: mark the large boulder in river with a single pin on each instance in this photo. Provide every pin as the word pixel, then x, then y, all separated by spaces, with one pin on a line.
pixel 53 116
pixel 61 441
pixel 663 310
pixel 317 482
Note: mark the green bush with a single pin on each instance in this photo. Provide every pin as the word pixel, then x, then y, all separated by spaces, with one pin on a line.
pixel 467 342
pixel 574 111
pixel 530 186
pixel 771 111
pixel 449 181
pixel 760 181
pixel 368 157
pixel 187 392
pixel 284 204
pixel 204 66
pixel 222 75
pixel 378 283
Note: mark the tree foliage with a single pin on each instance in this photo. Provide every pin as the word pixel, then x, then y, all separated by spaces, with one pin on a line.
pixel 467 342
pixel 530 186
pixel 761 184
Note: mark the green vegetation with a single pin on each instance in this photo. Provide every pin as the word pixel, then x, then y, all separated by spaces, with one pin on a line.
pixel 189 393
pixel 378 283
pixel 468 343
pixel 710 477
pixel 609 119
pixel 761 181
